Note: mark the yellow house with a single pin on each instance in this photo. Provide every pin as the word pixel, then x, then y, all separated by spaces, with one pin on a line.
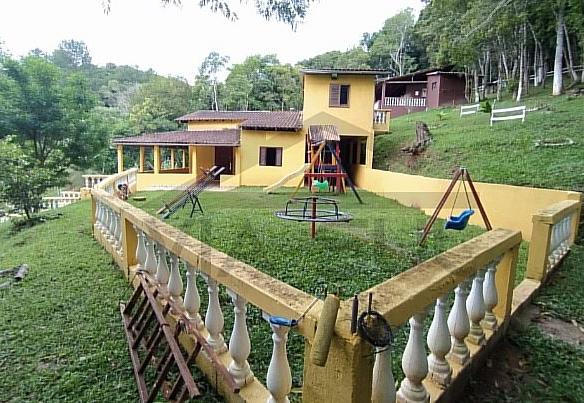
pixel 258 148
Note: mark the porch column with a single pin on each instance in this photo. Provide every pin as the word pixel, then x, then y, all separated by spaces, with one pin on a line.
pixel 383 95
pixel 172 150
pixel 369 151
pixel 141 162
pixel 156 159
pixel 184 158
pixel 192 159
pixel 120 158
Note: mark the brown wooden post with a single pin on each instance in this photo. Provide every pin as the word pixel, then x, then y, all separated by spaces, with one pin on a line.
pixel 539 249
pixel 441 203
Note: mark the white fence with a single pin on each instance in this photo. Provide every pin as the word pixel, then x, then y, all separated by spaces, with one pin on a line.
pixel 469 109
pixel 64 199
pixel 405 101
pixel 91 180
pixel 517 112
pixel 379 117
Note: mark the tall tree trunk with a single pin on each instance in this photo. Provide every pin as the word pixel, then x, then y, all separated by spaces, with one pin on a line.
pixel 499 78
pixel 570 59
pixel 477 97
pixel 557 85
pixel 216 104
pixel 521 68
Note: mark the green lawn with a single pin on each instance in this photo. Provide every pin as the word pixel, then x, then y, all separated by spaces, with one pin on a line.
pixel 504 153
pixel 378 243
pixel 60 334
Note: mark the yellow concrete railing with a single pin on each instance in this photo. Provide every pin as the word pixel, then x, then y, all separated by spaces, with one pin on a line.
pixel 507 206
pixel 475 279
pixel 554 230
pixel 111 183
pixel 138 241
pixel 481 273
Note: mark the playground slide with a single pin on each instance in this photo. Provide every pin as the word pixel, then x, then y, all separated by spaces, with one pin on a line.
pixel 291 175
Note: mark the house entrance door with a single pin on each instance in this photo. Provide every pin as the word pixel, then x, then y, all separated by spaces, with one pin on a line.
pixel 224 158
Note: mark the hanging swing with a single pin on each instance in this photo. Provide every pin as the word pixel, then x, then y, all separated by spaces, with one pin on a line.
pixel 321 184
pixel 460 221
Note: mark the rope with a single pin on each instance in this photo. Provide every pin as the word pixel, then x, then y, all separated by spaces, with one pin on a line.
pixel 456 196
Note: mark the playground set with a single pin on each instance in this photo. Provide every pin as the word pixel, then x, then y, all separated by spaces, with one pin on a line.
pixel 191 194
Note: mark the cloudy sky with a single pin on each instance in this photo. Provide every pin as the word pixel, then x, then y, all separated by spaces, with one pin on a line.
pixel 174 40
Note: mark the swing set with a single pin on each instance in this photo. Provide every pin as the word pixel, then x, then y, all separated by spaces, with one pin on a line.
pixel 458 222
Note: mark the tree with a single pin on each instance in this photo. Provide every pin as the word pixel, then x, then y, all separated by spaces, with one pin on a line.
pixel 157 103
pixel 71 54
pixel 23 182
pixel 388 48
pixel 213 64
pixel 48 111
pixel 287 11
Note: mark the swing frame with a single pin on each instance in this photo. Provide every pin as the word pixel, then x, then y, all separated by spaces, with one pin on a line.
pixel 460 174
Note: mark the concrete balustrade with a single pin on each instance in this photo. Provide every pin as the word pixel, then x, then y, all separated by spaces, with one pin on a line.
pixel 554 231
pixel 436 362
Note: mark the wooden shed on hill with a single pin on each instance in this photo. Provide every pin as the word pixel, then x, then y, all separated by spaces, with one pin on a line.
pixel 421 90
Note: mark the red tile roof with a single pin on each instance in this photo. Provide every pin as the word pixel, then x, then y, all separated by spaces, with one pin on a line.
pixel 320 133
pixel 251 120
pixel 225 137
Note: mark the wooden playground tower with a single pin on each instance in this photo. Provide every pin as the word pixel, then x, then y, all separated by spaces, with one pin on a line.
pixel 323 150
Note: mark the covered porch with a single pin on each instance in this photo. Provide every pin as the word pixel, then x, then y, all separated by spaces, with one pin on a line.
pixel 170 160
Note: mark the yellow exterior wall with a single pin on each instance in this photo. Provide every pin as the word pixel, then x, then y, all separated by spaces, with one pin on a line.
pixel 152 181
pixel 356 119
pixel 506 206
pixel 205 159
pixel 212 125
pixel 248 166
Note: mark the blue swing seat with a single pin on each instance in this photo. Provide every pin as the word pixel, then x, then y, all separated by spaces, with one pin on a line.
pixel 459 222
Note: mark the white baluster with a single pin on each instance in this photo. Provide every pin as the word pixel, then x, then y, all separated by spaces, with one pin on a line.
pixel 490 295
pixel 175 284
pixel 414 364
pixel 566 223
pixel 475 305
pixel 383 388
pixel 459 325
pixel 239 343
pixel 214 317
pixel 106 222
pixel 162 272
pixel 140 249
pixel 555 253
pixel 98 215
pixel 119 233
pixel 150 262
pixel 279 376
pixel 192 301
pixel 439 344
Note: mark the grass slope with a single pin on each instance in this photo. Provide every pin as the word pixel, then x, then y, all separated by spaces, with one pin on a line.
pixel 504 153
pixel 60 332
pixel 380 241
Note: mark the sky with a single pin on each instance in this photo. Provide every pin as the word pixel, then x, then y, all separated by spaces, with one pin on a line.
pixel 174 40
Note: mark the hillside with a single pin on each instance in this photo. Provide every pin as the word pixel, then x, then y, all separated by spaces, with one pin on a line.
pixel 504 153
